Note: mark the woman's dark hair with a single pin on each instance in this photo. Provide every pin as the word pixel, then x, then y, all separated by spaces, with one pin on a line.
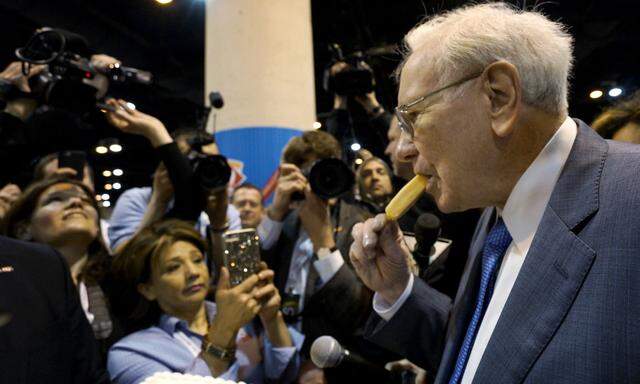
pixel 132 266
pixel 99 260
pixel 617 116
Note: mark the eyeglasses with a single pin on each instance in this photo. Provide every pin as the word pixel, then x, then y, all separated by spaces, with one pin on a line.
pixel 402 111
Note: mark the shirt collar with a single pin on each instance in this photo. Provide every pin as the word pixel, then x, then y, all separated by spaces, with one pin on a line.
pixel 526 203
pixel 171 324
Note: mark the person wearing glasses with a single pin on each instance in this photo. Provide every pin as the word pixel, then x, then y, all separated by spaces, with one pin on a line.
pixel 550 291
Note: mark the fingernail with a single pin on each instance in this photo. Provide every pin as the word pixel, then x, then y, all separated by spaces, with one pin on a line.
pixel 367 241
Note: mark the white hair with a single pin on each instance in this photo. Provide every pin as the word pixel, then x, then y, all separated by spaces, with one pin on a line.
pixel 472 37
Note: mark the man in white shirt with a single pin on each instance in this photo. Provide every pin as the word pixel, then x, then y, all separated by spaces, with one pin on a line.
pixel 304 242
pixel 550 291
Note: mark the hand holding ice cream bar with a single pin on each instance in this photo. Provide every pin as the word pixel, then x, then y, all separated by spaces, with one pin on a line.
pixel 406 198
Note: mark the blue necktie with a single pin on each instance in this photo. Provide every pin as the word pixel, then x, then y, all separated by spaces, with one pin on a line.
pixel 495 245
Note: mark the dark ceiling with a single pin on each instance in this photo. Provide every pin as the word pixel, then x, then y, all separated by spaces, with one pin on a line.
pixel 169 41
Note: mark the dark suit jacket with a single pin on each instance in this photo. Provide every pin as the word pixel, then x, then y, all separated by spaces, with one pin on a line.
pixel 48 339
pixel 572 314
pixel 343 303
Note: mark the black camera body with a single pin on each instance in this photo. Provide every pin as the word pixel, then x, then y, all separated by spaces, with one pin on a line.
pixel 70 81
pixel 328 178
pixel 211 172
pixel 357 79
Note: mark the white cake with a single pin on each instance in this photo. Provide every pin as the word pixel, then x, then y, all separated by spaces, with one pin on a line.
pixel 179 378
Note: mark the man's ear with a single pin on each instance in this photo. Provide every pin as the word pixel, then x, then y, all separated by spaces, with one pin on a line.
pixel 147 291
pixel 503 88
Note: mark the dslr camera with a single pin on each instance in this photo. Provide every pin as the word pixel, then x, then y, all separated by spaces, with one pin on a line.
pixel 211 172
pixel 328 178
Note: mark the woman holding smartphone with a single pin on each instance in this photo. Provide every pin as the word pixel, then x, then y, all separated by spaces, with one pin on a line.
pixel 163 273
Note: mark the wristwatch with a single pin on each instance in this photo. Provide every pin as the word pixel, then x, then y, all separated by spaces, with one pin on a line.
pixel 218 352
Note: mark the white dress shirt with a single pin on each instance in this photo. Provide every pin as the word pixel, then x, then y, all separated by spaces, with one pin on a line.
pixel 269 231
pixel 522 214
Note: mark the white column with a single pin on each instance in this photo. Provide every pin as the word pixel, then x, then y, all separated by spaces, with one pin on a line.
pixel 259 55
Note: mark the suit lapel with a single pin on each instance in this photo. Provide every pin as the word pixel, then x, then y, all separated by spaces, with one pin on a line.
pixel 552 274
pixel 290 229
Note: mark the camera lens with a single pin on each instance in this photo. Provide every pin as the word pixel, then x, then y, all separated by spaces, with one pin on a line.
pixel 211 171
pixel 330 178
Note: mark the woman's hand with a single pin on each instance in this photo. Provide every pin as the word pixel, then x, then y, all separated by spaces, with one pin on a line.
pixel 236 305
pixel 132 121
pixel 267 295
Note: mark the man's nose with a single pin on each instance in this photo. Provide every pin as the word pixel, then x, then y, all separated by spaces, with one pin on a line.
pixel 406 151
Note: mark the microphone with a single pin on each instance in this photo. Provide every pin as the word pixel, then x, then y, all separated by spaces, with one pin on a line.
pixel 216 100
pixel 326 352
pixel 426 231
pixel 429 246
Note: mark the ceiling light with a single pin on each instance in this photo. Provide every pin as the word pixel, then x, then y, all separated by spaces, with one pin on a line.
pixel 615 92
pixel 355 147
pixel 105 196
pixel 164 2
pixel 317 125
pixel 596 94
pixel 115 147
pixel 358 161
pixel 106 173
pixel 117 185
pixel 106 204
pixel 108 187
pixel 98 197
pixel 117 172
pixel 101 149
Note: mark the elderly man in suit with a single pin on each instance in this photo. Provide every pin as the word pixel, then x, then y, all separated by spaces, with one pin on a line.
pixel 551 290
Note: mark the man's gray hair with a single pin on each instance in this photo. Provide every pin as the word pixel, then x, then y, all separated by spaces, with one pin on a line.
pixel 472 37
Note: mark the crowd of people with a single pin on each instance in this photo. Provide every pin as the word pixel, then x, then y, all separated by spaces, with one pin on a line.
pixel 87 299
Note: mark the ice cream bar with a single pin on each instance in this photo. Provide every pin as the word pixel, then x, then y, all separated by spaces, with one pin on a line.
pixel 407 196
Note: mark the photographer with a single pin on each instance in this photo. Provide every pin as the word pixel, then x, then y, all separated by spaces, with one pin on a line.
pixel 174 193
pixel 14 113
pixel 370 133
pixel 321 294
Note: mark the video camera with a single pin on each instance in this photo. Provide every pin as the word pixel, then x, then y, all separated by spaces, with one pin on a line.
pixel 70 81
pixel 357 79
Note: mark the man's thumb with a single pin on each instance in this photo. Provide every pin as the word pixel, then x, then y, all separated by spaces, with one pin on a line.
pixel 390 238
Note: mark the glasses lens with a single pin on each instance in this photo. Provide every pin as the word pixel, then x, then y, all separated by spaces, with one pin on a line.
pixel 404 124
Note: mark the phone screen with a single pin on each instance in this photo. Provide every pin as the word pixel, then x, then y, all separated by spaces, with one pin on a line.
pixel 74 160
pixel 241 254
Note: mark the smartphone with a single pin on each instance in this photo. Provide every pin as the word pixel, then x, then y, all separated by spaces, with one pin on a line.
pixel 241 254
pixel 75 160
